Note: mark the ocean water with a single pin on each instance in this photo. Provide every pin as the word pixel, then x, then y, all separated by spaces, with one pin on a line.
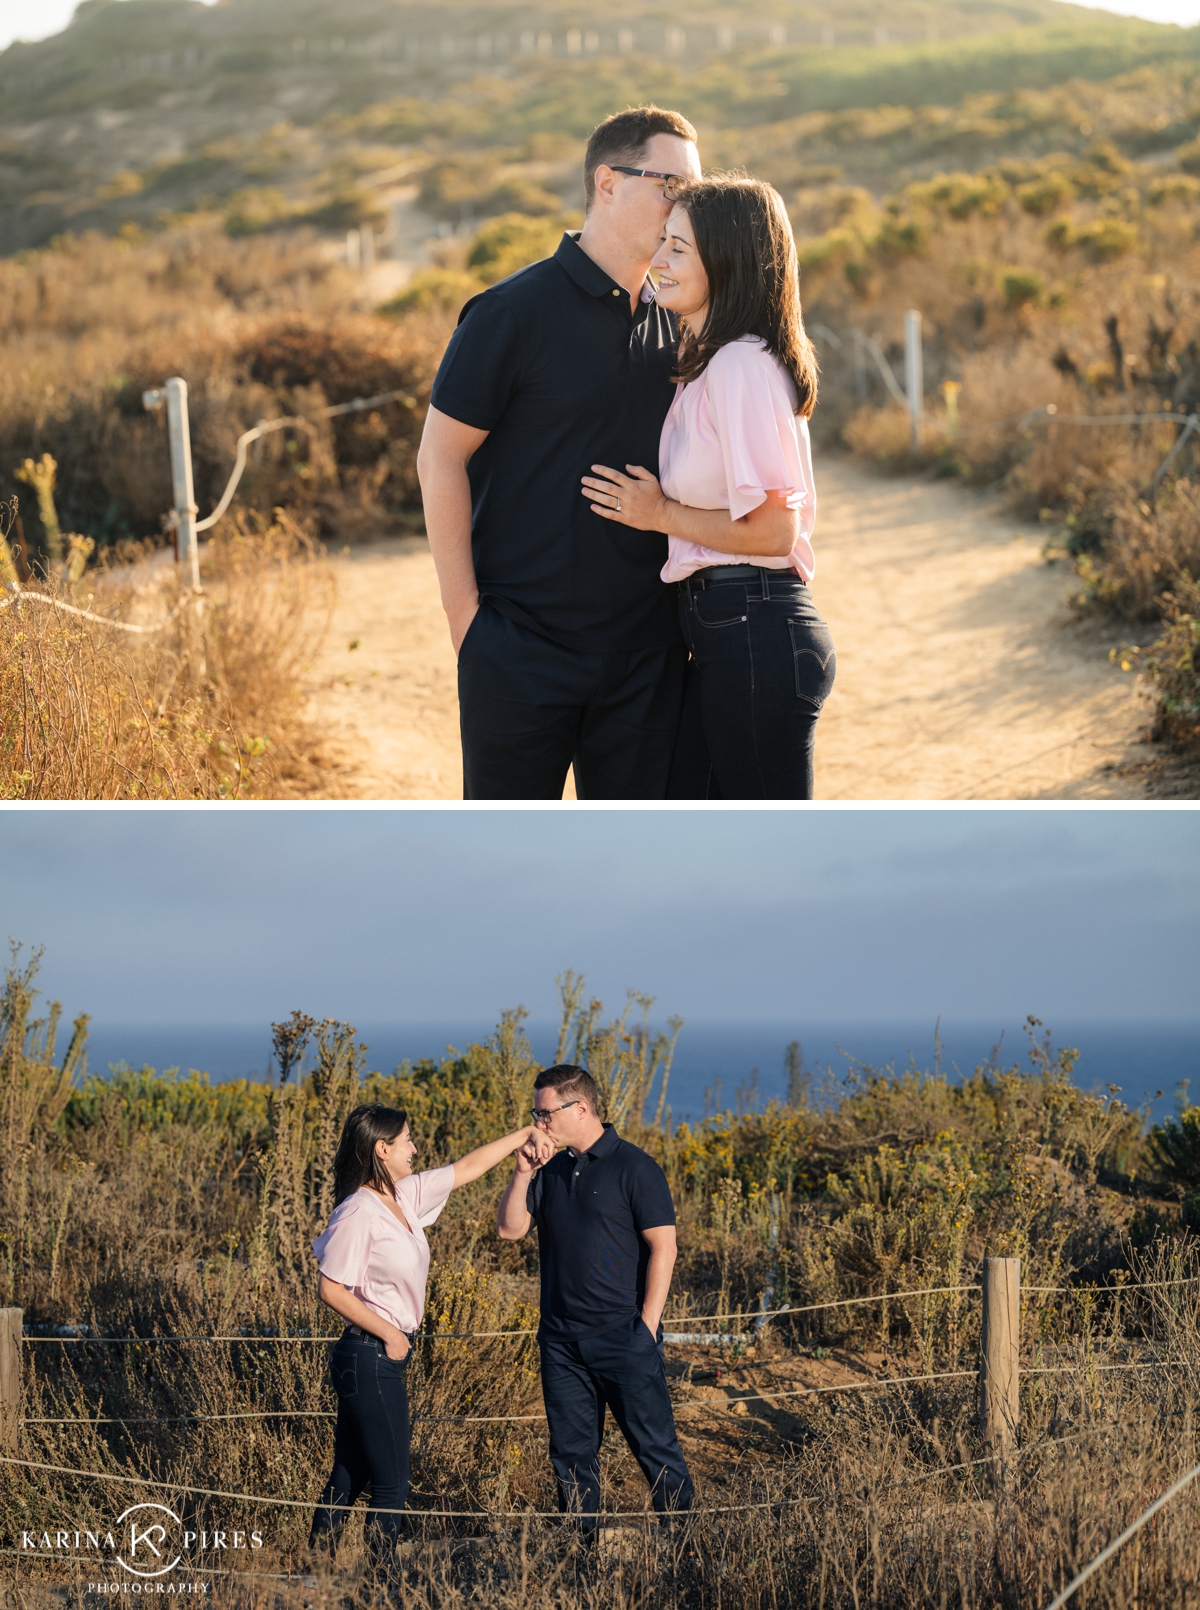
pixel 719 1065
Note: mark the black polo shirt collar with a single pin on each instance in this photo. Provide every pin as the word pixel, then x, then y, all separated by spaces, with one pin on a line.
pixel 588 275
pixel 607 1142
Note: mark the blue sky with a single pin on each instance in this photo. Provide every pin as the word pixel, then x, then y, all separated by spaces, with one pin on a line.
pixel 37 19
pixel 228 916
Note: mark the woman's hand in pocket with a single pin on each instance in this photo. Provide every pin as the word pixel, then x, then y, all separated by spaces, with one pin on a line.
pixel 398 1347
pixel 634 500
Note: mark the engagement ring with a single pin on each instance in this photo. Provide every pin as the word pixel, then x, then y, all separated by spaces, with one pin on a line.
pixel 618 505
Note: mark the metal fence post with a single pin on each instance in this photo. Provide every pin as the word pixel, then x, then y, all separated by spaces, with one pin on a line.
pixel 999 1379
pixel 174 394
pixel 914 374
pixel 12 1329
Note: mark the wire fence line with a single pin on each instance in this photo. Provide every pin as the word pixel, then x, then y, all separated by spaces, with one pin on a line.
pixel 502 1419
pixel 678 1404
pixel 524 1514
pixel 518 1514
pixel 1119 1542
pixel 680 1319
pixel 942 1470
pixel 433 1514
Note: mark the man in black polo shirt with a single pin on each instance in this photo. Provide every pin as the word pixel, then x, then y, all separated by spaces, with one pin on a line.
pixel 567 642
pixel 606 1241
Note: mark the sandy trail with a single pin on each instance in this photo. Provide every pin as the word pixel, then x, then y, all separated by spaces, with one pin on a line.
pixel 960 673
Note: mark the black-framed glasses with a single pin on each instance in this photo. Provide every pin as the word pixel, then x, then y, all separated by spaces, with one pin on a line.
pixel 671 181
pixel 540 1114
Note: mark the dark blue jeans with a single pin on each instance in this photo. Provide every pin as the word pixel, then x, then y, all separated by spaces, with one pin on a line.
pixel 370 1446
pixel 624 1369
pixel 762 666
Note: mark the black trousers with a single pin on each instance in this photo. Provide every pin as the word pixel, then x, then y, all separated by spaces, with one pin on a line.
pixel 530 708
pixel 625 1370
pixel 762 666
pixel 370 1447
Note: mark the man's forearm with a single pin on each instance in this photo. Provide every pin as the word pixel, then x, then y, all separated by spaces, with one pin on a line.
pixel 658 1284
pixel 446 491
pixel 513 1218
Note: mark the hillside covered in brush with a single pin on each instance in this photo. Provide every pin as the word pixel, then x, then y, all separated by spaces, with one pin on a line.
pixel 143 109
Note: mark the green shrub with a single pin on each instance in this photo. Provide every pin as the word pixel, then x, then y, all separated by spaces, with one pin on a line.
pixel 1022 286
pixel 1172 665
pixel 1175 187
pixel 961 194
pixel 1110 238
pixel 347 208
pixel 253 210
pixel 1174 1146
pixel 512 241
pixel 823 251
pixel 1045 195
pixel 859 275
pixel 434 289
pixel 901 237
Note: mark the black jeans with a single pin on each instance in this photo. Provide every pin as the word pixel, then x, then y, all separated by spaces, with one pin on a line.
pixel 762 666
pixel 624 1369
pixel 529 708
pixel 370 1447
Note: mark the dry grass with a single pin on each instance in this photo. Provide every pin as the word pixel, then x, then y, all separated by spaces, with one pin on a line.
pixel 159 1206
pixel 208 707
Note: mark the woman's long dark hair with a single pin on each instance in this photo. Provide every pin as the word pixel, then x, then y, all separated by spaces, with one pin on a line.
pixel 745 243
pixel 357 1163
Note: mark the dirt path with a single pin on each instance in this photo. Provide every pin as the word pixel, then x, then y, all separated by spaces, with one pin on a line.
pixel 960 673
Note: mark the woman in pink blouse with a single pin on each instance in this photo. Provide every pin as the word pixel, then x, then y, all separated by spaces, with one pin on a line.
pixel 736 497
pixel 374 1262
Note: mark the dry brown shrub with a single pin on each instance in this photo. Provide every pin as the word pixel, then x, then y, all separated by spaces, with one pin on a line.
pixel 1146 548
pixel 885 435
pixel 258 328
pixel 210 706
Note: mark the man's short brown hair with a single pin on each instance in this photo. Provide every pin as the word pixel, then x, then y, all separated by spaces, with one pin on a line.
pixel 572 1082
pixel 623 138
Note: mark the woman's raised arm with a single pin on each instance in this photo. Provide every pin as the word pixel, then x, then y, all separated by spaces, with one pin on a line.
pixel 477 1163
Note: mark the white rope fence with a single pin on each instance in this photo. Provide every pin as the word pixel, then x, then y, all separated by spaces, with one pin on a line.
pixel 1119 1542
pixel 300 421
pixel 680 1319
pixel 513 1514
pixel 181 450
pixel 711 1404
pixel 18 595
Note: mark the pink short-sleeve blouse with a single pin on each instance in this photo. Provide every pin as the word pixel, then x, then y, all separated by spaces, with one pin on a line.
pixel 730 437
pixel 367 1249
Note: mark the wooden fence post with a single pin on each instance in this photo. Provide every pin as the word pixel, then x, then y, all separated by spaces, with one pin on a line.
pixel 999 1379
pixel 12 1329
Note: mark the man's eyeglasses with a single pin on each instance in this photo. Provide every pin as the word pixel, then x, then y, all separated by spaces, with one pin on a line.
pixel 541 1114
pixel 671 181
